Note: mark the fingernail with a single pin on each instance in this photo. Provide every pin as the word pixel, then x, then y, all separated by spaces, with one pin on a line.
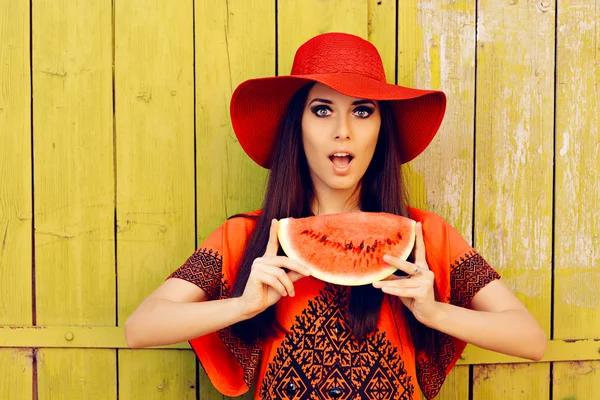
pixel 386 257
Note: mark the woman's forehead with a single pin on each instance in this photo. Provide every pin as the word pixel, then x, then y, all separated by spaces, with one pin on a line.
pixel 320 90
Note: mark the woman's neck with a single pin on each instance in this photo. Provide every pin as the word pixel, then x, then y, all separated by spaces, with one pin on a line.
pixel 332 201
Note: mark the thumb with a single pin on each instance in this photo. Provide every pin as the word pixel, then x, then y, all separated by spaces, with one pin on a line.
pixel 273 243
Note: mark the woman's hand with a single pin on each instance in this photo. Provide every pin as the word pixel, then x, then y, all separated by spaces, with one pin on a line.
pixel 268 282
pixel 416 291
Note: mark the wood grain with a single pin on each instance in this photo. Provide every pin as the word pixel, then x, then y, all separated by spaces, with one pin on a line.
pixel 157 375
pixel 382 33
pixel 514 154
pixel 17 368
pixel 436 50
pixel 15 166
pixel 74 190
pixel 154 98
pixel 77 374
pixel 235 41
pixel 502 381
pixel 577 192
pixel 299 21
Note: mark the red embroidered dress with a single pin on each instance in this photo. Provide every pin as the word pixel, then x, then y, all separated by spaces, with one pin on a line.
pixel 319 357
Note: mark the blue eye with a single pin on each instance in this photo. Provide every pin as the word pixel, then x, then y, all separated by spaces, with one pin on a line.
pixel 363 112
pixel 321 111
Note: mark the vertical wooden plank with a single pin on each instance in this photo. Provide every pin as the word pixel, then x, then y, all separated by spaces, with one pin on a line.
pixel 382 33
pixel 436 50
pixel 298 21
pixel 160 373
pixel 456 385
pixel 16 367
pixel 154 88
pixel 74 195
pixel 15 193
pixel 511 381
pixel 576 380
pixel 514 151
pixel 235 41
pixel 69 374
pixel 577 188
pixel 15 165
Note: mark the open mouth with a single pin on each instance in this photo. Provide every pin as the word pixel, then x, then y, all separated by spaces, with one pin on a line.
pixel 341 159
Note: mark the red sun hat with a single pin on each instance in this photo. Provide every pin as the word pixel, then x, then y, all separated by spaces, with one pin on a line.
pixel 349 65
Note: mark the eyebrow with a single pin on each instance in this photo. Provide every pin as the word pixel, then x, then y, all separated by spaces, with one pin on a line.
pixel 356 103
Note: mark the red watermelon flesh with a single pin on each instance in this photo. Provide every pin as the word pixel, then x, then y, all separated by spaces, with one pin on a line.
pixel 347 248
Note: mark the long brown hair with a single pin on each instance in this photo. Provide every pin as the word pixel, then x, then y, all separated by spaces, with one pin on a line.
pixel 290 193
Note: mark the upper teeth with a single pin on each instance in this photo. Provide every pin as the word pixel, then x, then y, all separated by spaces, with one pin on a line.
pixel 341 154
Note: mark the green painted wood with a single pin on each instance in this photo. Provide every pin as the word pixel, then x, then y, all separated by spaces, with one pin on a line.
pixel 154 98
pixel 74 190
pixel 514 156
pixel 577 192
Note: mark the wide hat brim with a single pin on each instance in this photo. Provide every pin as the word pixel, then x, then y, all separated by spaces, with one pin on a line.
pixel 258 106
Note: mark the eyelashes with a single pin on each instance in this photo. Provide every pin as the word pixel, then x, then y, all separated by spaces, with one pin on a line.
pixel 323 111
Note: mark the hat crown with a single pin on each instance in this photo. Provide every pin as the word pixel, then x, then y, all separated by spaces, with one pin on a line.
pixel 338 53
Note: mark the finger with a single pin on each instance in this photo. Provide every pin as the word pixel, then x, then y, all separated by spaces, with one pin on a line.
pixel 393 278
pixel 280 275
pixel 269 280
pixel 295 276
pixel 273 243
pixel 282 261
pixel 400 283
pixel 420 248
pixel 412 293
pixel 400 264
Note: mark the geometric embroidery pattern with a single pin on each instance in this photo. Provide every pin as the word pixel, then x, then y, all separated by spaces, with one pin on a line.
pixel 468 275
pixel 205 269
pixel 431 373
pixel 320 358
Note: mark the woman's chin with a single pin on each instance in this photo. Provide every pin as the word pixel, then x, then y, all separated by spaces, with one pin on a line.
pixel 342 183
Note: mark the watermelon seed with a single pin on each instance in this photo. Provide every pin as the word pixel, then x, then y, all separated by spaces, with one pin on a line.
pixel 368 248
pixel 323 238
pixel 304 232
pixel 399 236
pixel 389 241
pixel 362 245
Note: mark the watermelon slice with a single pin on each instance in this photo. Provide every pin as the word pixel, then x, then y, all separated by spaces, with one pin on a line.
pixel 347 248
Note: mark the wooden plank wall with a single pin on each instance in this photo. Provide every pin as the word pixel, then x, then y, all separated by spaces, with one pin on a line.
pixel 577 199
pixel 117 159
pixel 15 194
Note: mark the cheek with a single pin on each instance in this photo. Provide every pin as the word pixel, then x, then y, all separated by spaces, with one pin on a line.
pixel 312 137
pixel 371 134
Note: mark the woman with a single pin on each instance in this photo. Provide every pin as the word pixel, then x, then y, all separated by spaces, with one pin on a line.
pixel 333 134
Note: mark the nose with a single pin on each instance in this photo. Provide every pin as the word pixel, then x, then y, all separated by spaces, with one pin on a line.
pixel 343 129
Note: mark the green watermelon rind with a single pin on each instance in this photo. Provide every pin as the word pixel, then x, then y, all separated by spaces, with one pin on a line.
pixel 339 278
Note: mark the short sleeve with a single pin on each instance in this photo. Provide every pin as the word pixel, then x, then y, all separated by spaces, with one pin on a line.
pixel 460 273
pixel 469 273
pixel 229 362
